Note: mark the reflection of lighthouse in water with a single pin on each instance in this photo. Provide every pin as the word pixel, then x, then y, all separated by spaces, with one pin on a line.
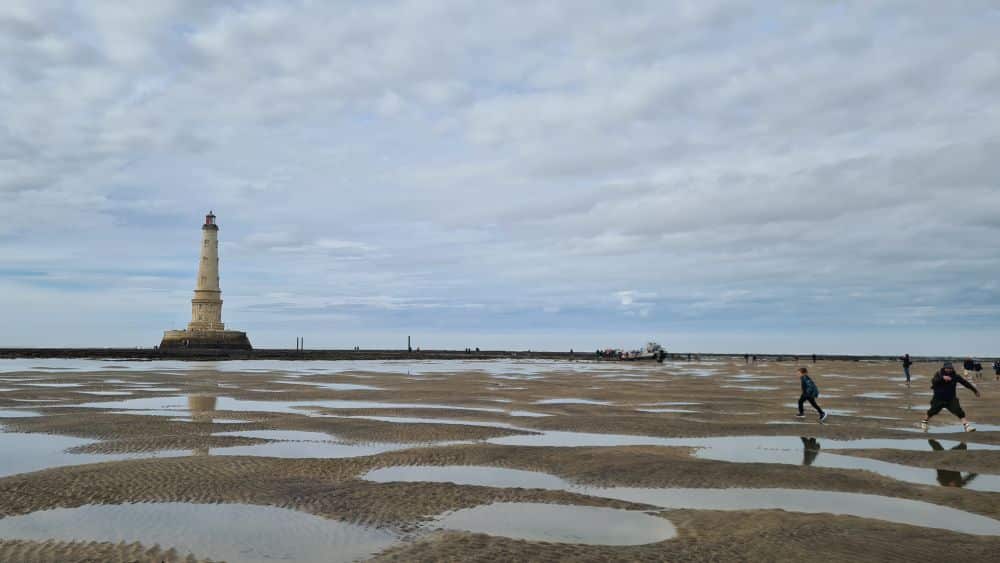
pixel 202 409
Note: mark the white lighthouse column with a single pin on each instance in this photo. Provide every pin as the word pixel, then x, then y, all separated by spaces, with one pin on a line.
pixel 206 331
pixel 206 306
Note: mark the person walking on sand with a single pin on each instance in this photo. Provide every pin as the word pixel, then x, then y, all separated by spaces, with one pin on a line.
pixel 996 369
pixel 809 393
pixel 945 396
pixel 907 362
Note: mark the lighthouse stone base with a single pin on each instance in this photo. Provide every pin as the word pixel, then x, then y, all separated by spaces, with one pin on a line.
pixel 205 340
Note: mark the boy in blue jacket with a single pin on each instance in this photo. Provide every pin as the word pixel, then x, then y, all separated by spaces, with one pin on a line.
pixel 809 393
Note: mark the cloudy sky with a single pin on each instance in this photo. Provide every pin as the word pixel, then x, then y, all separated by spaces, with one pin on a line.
pixel 764 176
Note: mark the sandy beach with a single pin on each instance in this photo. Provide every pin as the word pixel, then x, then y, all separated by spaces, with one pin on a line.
pixel 441 460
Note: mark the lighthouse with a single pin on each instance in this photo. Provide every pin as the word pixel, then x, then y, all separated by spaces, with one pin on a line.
pixel 206 329
pixel 206 306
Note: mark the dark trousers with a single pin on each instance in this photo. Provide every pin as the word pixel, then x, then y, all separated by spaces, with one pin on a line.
pixel 906 371
pixel 953 406
pixel 812 401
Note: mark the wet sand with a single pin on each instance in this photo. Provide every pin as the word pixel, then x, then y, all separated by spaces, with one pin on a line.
pixel 304 435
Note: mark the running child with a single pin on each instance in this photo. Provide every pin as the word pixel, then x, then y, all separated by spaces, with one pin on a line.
pixel 945 396
pixel 809 393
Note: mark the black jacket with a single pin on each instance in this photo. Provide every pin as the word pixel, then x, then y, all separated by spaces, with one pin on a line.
pixel 945 390
pixel 969 365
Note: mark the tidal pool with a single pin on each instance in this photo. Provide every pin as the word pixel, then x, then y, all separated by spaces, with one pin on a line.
pixel 877 395
pixel 560 523
pixel 455 421
pixel 23 453
pixel 570 401
pixel 334 386
pixel 230 532
pixel 221 403
pixel 950 428
pixel 307 449
pixel 783 450
pixel 889 509
pixel 16 413
pixel 291 435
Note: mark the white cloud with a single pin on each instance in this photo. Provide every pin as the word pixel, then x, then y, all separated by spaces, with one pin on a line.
pixel 728 162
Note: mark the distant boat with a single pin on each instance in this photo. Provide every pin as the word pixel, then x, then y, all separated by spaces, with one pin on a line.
pixel 652 351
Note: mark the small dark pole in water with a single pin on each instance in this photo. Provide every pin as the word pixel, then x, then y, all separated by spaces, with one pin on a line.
pixel 409 346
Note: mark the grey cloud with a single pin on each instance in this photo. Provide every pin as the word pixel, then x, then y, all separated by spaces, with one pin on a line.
pixel 718 160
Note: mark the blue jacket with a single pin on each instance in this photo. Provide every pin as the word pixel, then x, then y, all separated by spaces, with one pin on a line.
pixel 809 388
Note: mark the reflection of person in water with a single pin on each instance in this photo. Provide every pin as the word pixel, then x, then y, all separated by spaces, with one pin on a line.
pixel 810 450
pixel 947 477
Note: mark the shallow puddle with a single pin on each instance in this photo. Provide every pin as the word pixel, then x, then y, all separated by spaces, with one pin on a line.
pixel 16 413
pixel 296 407
pixel 877 395
pixel 570 401
pixel 752 377
pixel 782 450
pixel 665 410
pixel 231 532
pixel 24 453
pixel 560 523
pixel 106 393
pixel 319 450
pixel 833 411
pixel 950 428
pixel 810 453
pixel 294 435
pixel 455 421
pixel 902 511
pixel 335 386
pixel 696 372
pixel 559 438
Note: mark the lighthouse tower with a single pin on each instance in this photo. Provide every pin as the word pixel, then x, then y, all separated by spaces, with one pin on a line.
pixel 206 307
pixel 206 330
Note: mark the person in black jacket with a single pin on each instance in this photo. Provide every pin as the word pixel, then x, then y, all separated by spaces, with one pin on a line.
pixel 907 362
pixel 945 396
pixel 996 368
